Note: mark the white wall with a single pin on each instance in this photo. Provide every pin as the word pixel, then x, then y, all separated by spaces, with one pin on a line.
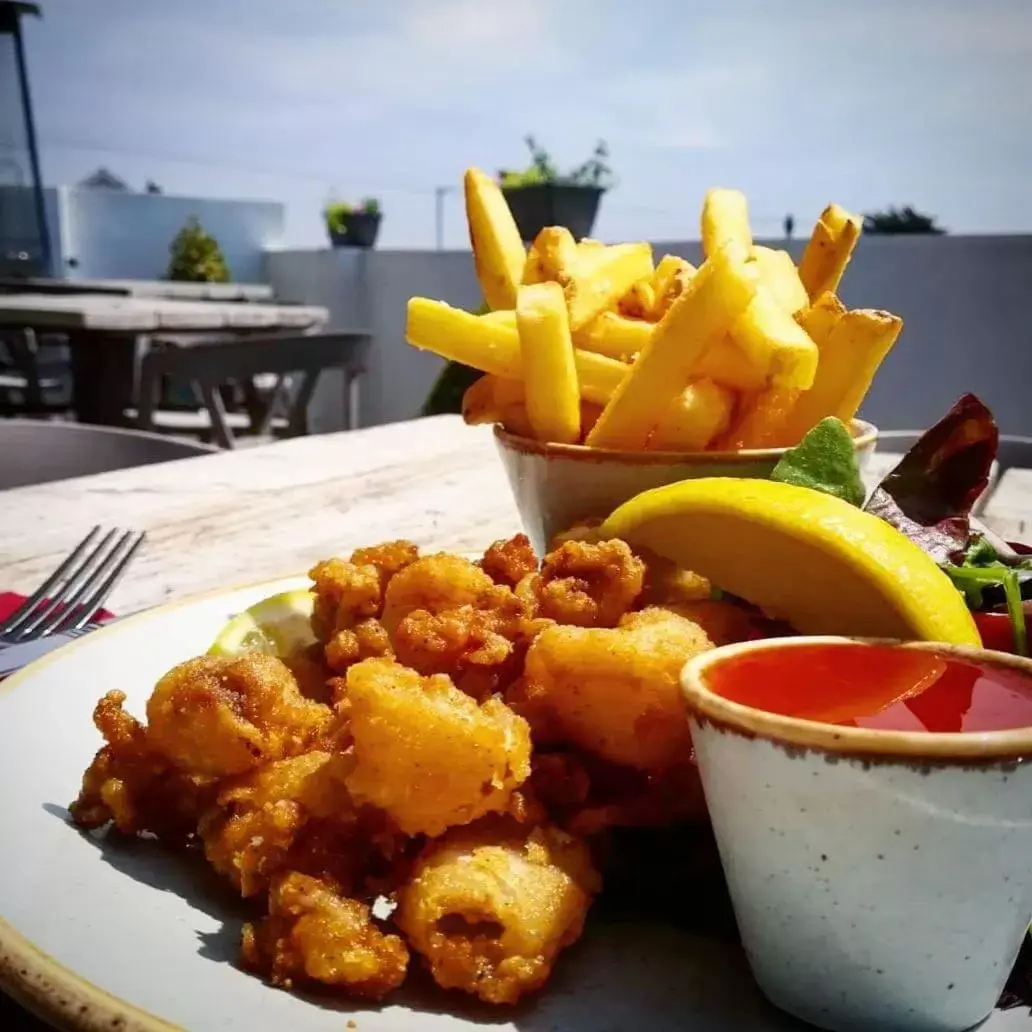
pixel 127 235
pixel 965 301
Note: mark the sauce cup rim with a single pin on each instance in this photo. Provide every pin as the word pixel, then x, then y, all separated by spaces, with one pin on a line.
pixel 863 433
pixel 977 748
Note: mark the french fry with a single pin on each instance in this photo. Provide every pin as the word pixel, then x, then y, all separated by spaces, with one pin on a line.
pixel 695 417
pixel 668 282
pixel 602 277
pixel 639 301
pixel 598 376
pixel 762 421
pixel 828 251
pixel 498 253
pixel 726 364
pixel 780 276
pixel 587 246
pixel 850 354
pixel 552 256
pixel 493 345
pixel 549 374
pixel 614 335
pixel 492 399
pixel 774 341
pixel 819 319
pixel 715 297
pixel 503 317
pixel 725 219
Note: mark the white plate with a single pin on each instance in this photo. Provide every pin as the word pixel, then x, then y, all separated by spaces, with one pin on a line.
pixel 130 938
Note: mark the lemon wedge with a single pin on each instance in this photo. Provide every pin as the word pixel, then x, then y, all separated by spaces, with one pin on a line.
pixel 802 556
pixel 279 625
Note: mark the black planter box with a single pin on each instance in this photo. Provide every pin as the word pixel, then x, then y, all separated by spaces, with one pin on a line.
pixel 360 230
pixel 546 204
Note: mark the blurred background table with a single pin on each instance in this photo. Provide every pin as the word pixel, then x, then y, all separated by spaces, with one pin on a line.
pixel 246 515
pixel 108 334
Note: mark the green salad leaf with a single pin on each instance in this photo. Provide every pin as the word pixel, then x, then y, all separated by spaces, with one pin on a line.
pixel 983 568
pixel 824 460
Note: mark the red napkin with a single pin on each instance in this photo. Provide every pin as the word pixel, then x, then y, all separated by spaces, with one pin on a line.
pixel 9 602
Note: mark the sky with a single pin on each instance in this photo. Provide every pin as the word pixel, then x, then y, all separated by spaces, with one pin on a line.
pixel 797 102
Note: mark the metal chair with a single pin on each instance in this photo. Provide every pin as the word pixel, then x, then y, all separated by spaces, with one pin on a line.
pixel 208 364
pixel 37 452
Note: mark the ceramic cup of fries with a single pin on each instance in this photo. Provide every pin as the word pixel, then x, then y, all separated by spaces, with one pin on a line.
pixel 607 373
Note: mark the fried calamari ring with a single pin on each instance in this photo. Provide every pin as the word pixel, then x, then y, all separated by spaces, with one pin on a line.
pixel 490 907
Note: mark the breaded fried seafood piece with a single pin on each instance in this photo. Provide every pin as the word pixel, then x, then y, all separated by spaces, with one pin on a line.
pixel 258 816
pixel 489 907
pixel 132 786
pixel 426 753
pixel 365 639
pixel 315 934
pixel 587 584
pixel 349 591
pixel 439 583
pixel 509 561
pixel 613 692
pixel 216 716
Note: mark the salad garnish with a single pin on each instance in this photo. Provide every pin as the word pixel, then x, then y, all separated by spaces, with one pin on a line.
pixel 928 497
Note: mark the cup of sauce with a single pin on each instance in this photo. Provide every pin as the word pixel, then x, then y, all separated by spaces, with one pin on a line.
pixel 872 802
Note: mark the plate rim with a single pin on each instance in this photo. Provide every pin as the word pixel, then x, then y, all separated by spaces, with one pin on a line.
pixel 28 974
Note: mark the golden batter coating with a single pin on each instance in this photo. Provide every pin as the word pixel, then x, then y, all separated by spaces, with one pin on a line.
pixel 132 786
pixel 426 753
pixel 489 907
pixel 313 933
pixel 614 692
pixel 589 585
pixel 215 716
pixel 509 561
pixel 258 816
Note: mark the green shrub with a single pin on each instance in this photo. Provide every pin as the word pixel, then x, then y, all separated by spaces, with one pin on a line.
pixel 196 256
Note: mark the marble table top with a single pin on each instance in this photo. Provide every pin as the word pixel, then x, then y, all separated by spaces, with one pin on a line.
pixel 259 513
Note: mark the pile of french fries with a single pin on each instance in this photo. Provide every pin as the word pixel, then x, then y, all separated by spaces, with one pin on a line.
pixel 595 344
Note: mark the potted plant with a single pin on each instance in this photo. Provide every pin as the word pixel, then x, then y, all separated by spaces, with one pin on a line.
pixel 351 225
pixel 195 256
pixel 541 196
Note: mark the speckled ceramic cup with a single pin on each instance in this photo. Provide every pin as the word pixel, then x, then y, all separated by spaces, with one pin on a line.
pixel 558 485
pixel 880 879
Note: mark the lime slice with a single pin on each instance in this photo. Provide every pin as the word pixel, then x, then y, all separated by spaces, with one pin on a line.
pixel 279 626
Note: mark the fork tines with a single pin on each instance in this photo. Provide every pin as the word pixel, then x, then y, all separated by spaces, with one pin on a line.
pixel 74 592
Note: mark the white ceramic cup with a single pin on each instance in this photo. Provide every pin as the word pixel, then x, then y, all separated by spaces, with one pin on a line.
pixel 880 879
pixel 558 485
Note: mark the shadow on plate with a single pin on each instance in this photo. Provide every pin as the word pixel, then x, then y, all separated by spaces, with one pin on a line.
pixel 660 949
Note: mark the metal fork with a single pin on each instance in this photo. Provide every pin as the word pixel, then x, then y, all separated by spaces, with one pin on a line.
pixel 74 592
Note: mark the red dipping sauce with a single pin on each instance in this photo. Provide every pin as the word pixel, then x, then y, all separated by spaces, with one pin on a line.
pixel 882 687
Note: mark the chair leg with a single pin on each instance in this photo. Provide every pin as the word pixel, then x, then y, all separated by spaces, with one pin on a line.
pixel 297 424
pixel 277 396
pixel 150 390
pixel 352 380
pixel 217 412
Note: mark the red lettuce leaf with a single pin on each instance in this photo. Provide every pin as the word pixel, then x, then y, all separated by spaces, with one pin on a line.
pixel 929 495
